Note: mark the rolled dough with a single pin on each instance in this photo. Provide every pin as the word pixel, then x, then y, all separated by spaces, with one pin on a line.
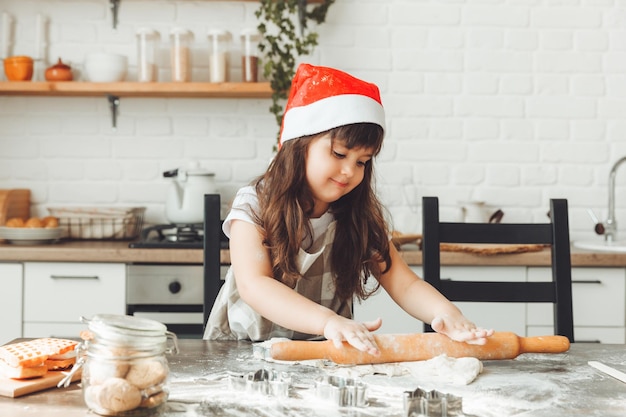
pixel 457 371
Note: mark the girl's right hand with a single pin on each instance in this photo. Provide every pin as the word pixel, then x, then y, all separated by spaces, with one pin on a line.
pixel 357 334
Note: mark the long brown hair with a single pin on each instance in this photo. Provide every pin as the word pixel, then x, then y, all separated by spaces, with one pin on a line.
pixel 286 203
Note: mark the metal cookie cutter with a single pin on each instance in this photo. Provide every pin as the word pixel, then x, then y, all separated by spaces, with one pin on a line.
pixel 421 403
pixel 263 382
pixel 343 392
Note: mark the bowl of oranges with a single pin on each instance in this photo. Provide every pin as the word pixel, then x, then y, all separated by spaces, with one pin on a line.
pixel 31 231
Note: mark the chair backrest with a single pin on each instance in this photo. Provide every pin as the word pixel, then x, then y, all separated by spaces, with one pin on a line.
pixel 555 233
pixel 212 236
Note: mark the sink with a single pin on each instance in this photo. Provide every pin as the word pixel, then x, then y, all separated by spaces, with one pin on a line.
pixel 601 245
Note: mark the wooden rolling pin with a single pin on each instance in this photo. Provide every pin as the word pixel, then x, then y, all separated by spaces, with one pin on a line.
pixel 420 346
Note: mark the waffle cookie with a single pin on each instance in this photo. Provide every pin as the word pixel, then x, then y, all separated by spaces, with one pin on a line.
pixel 31 358
pixel 22 372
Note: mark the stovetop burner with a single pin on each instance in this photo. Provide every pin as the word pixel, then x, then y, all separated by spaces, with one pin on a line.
pixel 174 236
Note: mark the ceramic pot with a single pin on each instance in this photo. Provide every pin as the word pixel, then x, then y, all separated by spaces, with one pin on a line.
pixel 59 72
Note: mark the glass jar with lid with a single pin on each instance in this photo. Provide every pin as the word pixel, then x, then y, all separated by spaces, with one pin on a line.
pixel 146 54
pixel 124 363
pixel 250 55
pixel 181 66
pixel 219 45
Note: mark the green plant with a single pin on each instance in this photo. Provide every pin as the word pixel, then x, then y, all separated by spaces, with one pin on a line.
pixel 282 44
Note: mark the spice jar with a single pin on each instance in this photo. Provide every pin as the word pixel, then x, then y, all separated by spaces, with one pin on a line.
pixel 146 54
pixel 125 370
pixel 180 39
pixel 219 41
pixel 249 55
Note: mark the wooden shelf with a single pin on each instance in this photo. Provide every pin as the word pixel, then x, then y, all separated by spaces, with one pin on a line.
pixel 136 89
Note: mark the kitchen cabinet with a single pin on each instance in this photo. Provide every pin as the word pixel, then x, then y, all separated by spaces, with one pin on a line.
pixel 599 303
pixel 11 305
pixel 57 294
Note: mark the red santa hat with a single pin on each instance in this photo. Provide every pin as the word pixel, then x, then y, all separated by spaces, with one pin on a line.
pixel 323 98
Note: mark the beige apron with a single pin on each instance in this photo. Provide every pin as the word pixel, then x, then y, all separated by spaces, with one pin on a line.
pixel 231 318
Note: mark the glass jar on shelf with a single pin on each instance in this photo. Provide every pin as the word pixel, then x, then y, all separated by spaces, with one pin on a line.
pixel 146 55
pixel 180 57
pixel 219 45
pixel 250 55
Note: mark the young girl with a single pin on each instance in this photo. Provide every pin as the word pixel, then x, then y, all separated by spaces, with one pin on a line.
pixel 307 236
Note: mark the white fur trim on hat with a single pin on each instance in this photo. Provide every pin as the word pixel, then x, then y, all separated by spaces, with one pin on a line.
pixel 331 112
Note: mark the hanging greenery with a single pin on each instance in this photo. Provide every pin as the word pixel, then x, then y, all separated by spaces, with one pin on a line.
pixel 282 42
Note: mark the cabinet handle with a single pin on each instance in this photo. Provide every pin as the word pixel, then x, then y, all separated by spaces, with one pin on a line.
pixel 587 341
pixel 74 277
pixel 587 281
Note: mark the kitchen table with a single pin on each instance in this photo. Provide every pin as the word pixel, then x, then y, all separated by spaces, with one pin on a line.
pixel 532 385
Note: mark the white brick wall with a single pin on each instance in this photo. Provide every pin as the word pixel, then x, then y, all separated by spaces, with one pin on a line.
pixel 512 102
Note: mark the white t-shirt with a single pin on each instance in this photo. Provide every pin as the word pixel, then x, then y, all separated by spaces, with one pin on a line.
pixel 246 202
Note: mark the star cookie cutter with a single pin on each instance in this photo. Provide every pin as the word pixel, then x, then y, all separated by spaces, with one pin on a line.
pixel 422 403
pixel 342 392
pixel 264 382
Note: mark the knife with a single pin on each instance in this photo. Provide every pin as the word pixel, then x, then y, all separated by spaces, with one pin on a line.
pixel 608 370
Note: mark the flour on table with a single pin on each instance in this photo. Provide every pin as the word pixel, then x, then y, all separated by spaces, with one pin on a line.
pixel 441 369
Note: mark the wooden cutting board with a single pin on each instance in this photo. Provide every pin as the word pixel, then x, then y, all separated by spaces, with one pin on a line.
pixel 491 249
pixel 14 203
pixel 16 388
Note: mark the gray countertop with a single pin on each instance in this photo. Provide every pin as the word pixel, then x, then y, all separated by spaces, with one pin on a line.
pixel 532 385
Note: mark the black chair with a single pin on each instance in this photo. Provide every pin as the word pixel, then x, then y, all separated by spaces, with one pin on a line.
pixel 556 234
pixel 212 245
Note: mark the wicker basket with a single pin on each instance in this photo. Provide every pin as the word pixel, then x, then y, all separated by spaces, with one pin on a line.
pixel 99 223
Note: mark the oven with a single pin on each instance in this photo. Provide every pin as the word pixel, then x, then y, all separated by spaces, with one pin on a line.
pixel 179 295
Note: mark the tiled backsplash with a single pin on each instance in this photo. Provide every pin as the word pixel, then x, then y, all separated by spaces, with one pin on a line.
pixel 510 102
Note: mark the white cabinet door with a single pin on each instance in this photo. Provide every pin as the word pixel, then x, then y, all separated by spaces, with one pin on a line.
pixel 503 317
pixel 599 304
pixel 57 294
pixel 11 305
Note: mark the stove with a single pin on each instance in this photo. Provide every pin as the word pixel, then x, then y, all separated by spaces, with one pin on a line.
pixel 179 295
pixel 174 236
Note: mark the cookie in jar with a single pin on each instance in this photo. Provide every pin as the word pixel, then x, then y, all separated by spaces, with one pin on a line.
pixel 126 371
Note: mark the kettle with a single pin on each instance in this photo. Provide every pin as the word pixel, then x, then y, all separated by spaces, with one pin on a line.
pixel 479 212
pixel 185 198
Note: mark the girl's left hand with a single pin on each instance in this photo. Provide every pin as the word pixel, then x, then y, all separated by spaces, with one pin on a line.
pixel 461 330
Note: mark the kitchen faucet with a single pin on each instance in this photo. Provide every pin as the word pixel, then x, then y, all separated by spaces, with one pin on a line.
pixel 609 228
